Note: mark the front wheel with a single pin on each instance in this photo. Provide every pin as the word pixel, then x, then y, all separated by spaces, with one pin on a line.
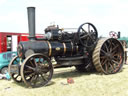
pixel 13 69
pixel 4 70
pixel 36 70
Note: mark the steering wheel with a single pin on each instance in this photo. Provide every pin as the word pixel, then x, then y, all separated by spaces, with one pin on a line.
pixel 87 34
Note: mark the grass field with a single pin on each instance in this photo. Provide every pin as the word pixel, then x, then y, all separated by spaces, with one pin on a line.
pixel 85 84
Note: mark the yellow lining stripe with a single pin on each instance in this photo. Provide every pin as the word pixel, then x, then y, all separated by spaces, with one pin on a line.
pixel 64 48
pixel 50 48
pixel 77 49
pixel 72 48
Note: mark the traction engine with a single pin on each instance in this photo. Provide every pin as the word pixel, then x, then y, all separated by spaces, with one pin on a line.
pixel 82 49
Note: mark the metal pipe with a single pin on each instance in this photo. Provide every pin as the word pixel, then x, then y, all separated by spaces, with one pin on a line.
pixel 31 22
pixel 119 34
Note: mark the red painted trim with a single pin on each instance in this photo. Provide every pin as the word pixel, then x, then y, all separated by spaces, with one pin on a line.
pixel 21 37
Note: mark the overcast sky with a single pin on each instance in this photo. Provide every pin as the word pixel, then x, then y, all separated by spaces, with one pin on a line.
pixel 106 15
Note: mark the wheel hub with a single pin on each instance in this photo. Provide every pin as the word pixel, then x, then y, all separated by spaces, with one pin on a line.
pixel 38 70
pixel 109 56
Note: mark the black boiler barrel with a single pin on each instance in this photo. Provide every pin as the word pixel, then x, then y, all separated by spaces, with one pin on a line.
pixel 34 46
pixel 61 49
pixel 47 48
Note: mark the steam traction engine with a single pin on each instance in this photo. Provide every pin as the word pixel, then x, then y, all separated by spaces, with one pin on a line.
pixel 82 49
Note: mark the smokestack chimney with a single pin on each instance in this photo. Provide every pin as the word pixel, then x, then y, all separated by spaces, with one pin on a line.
pixel 31 22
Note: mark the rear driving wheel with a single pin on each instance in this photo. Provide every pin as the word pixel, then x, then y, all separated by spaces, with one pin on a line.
pixel 108 56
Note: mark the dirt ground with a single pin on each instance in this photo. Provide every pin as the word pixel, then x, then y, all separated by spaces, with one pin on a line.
pixel 85 84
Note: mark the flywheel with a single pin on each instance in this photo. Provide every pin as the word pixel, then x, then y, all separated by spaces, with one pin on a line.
pixel 108 56
pixel 87 34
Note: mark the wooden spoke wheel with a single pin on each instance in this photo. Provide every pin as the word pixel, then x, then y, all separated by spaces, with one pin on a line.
pixel 36 70
pixel 87 34
pixel 108 56
pixel 15 73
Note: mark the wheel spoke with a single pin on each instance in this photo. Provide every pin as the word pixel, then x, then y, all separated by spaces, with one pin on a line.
pixel 104 62
pixel 16 76
pixel 111 65
pixel 35 61
pixel 27 71
pixel 103 51
pixel 30 67
pixel 84 30
pixel 34 79
pixel 106 67
pixel 43 77
pixel 31 63
pixel 30 75
pixel 110 45
pixel 103 57
pixel 115 47
pixel 91 37
pixel 88 28
pixel 83 36
pixel 106 47
pixel 39 59
pixel 117 54
pixel 116 58
pixel 115 62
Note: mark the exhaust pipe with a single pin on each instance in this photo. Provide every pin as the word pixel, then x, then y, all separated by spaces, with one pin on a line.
pixel 119 34
pixel 31 23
